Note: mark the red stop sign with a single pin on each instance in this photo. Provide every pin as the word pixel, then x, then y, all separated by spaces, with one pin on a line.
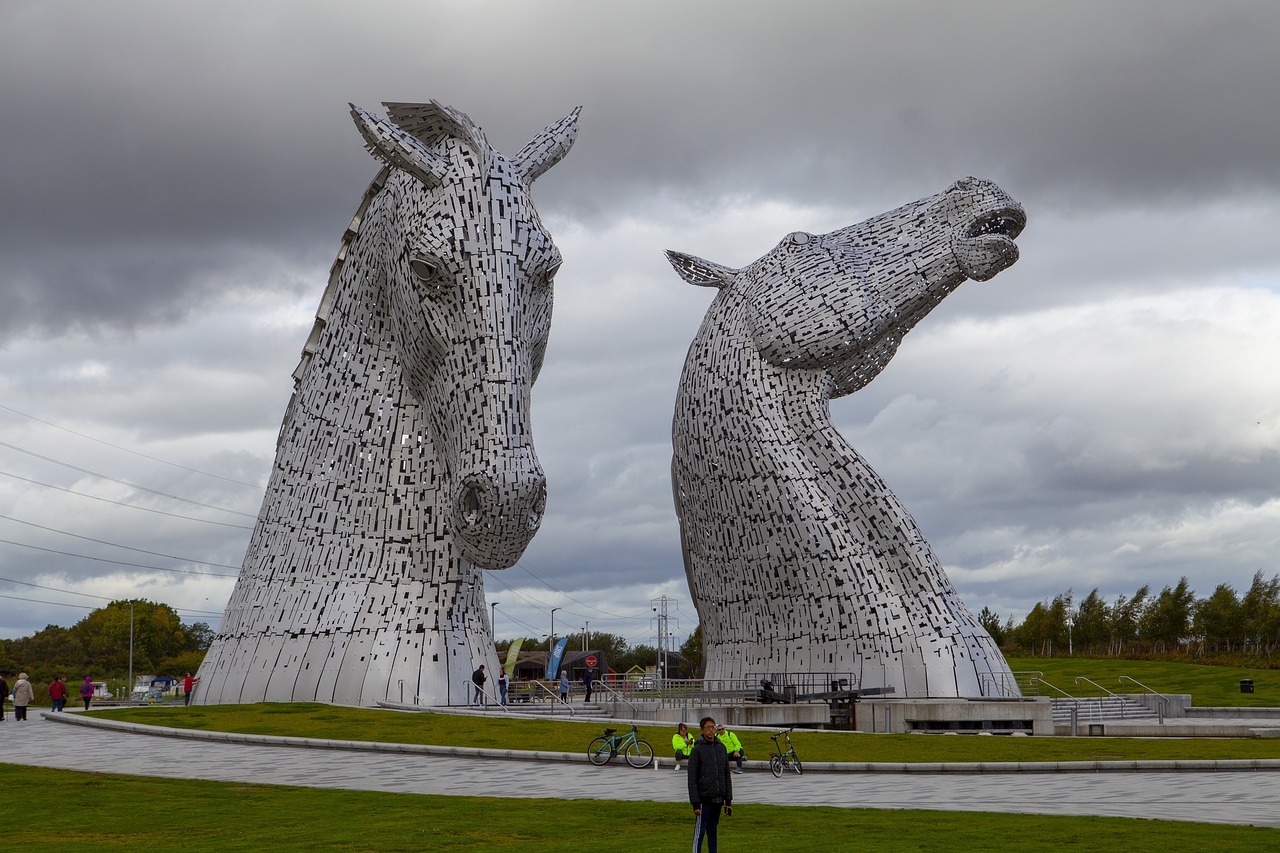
pixel 591 660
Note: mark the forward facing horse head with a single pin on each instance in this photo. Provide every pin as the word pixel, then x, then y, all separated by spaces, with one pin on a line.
pixel 405 463
pixel 468 280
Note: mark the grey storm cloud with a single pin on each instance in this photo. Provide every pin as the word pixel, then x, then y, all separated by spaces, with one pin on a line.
pixel 174 182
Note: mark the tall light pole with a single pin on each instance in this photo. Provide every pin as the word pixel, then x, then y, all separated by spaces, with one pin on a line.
pixel 493 611
pixel 551 640
pixel 586 632
pixel 128 690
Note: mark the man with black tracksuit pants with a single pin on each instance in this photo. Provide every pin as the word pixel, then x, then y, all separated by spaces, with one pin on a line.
pixel 709 785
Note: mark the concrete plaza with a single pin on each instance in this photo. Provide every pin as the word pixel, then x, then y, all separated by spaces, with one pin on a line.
pixel 1224 796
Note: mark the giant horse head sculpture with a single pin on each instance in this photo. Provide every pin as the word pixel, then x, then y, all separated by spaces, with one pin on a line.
pixel 469 288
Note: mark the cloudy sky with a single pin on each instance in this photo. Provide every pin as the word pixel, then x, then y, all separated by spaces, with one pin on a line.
pixel 174 184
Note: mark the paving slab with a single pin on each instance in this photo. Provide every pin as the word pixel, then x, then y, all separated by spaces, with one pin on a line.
pixel 1237 797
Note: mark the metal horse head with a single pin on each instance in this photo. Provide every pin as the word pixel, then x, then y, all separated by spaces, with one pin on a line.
pixel 468 286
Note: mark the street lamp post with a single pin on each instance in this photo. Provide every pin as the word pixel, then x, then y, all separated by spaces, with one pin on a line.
pixel 493 612
pixel 586 632
pixel 128 688
pixel 551 640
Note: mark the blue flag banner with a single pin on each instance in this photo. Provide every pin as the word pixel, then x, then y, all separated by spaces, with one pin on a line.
pixel 553 665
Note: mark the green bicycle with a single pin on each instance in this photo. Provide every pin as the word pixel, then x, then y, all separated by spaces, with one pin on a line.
pixel 605 747
pixel 784 760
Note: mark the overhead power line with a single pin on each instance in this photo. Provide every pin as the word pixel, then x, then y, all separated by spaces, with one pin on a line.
pixel 120 562
pixel 128 506
pixel 117 545
pixel 124 482
pixel 127 450
pixel 91 595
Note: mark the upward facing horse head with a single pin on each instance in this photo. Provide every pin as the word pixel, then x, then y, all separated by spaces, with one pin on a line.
pixel 467 272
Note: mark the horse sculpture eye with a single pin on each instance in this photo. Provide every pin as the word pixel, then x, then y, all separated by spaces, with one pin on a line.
pixel 432 277
pixel 424 270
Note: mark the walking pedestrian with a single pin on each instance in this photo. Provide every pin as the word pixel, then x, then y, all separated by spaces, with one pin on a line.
pixel 588 678
pixel 478 678
pixel 57 694
pixel 22 696
pixel 564 686
pixel 86 692
pixel 188 687
pixel 710 786
pixel 503 681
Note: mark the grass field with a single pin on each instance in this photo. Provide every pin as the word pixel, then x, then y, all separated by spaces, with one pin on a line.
pixel 365 724
pixel 58 809
pixel 1209 686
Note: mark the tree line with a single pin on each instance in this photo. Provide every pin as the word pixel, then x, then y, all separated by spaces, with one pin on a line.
pixel 620 655
pixel 98 645
pixel 1174 620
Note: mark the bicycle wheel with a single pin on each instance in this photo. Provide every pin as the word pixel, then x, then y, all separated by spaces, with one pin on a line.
pixel 796 765
pixel 600 752
pixel 775 766
pixel 639 754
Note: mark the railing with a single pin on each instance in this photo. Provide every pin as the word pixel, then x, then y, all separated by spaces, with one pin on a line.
pixel 1038 680
pixel 1163 699
pixel 607 689
pixel 555 697
pixel 1031 680
pixel 1081 678
pixel 1075 708
pixel 1004 686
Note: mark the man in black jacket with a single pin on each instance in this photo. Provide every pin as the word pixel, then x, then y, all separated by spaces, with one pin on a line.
pixel 709 785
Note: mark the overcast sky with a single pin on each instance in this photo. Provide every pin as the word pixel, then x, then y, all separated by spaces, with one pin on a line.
pixel 174 184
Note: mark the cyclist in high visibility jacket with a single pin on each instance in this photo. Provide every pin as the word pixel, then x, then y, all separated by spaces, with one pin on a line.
pixel 732 745
pixel 682 744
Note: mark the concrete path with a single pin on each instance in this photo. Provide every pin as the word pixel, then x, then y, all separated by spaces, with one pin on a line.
pixel 1212 797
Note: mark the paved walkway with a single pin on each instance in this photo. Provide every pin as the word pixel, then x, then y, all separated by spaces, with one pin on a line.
pixel 1241 797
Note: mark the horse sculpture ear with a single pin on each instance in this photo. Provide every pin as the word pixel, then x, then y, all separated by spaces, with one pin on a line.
pixel 399 149
pixel 547 148
pixel 703 273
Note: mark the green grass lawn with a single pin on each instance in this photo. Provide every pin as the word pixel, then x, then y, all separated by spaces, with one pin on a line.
pixel 59 809
pixel 367 724
pixel 1209 686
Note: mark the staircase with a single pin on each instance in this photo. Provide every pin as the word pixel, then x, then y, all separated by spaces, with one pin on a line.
pixel 1097 708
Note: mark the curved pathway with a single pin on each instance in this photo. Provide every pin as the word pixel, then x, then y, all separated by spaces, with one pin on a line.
pixel 1243 797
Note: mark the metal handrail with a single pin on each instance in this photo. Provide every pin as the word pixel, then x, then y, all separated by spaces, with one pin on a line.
pixel 1080 678
pixel 1033 673
pixel 1040 680
pixel 1075 710
pixel 555 697
pixel 999 685
pixel 601 685
pixel 1164 700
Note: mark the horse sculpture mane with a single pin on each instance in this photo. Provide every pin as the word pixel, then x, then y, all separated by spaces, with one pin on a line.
pixel 799 559
pixel 405 463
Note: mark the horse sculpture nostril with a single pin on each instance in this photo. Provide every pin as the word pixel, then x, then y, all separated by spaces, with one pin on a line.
pixel 539 507
pixel 469 506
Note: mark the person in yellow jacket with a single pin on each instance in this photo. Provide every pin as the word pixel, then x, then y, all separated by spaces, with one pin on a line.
pixel 682 744
pixel 732 745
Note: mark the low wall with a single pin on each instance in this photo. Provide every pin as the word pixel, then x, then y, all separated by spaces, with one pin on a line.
pixel 963 716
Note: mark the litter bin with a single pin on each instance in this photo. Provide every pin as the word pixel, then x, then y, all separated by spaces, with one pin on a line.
pixel 1246 685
